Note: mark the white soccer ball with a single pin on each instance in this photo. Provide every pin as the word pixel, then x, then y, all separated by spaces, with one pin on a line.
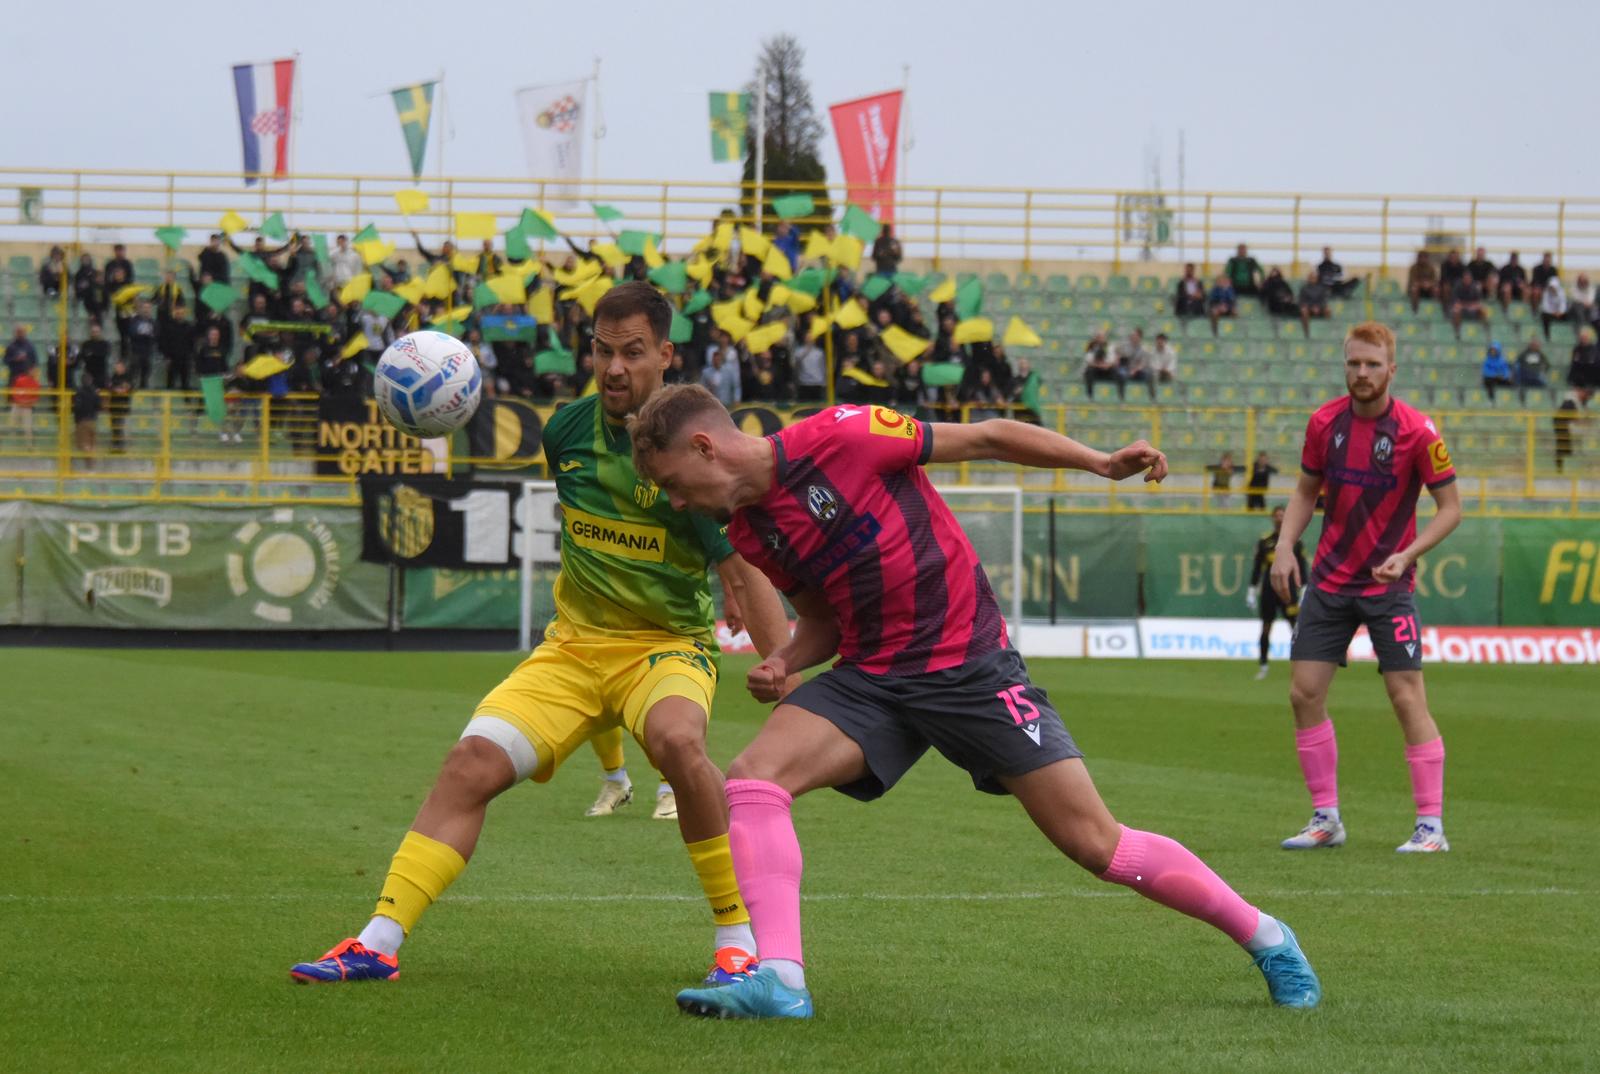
pixel 427 384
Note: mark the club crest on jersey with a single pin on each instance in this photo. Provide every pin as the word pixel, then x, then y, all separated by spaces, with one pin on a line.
pixel 822 504
pixel 1382 449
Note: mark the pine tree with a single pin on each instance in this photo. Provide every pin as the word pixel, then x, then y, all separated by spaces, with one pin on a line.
pixel 794 133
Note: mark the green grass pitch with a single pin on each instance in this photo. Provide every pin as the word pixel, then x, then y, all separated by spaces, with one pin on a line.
pixel 177 828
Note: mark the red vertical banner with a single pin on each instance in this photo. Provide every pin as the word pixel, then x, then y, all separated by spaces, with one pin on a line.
pixel 868 130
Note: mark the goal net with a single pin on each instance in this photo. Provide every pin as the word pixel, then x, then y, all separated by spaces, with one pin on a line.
pixel 991 515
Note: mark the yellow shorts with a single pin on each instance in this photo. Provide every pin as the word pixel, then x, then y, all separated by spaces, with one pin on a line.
pixel 575 685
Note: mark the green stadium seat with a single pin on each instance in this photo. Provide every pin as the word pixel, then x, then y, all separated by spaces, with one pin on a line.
pixel 1149 285
pixel 1473 332
pixel 1387 287
pixel 1027 281
pixel 1058 284
pixel 20 265
pixel 998 281
pixel 1119 285
pixel 1088 283
pixel 147 270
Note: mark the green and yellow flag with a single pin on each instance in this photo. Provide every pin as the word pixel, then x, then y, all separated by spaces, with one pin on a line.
pixel 415 107
pixel 730 115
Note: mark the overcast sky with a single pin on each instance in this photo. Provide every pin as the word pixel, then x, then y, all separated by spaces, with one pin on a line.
pixel 1469 97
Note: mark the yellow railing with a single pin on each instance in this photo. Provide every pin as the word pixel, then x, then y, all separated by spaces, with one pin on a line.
pixel 1035 227
pixel 162 446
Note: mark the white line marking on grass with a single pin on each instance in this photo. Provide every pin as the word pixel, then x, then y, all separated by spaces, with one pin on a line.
pixel 874 896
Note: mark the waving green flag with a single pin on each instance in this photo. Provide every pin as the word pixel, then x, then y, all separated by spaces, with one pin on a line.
pixel 414 104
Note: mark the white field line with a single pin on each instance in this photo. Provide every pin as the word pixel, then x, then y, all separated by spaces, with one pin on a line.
pixel 916 897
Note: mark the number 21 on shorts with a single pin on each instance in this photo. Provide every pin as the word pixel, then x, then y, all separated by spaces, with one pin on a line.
pixel 1017 705
pixel 1405 628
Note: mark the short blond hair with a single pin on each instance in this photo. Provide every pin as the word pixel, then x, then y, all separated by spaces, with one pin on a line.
pixel 1373 332
pixel 656 426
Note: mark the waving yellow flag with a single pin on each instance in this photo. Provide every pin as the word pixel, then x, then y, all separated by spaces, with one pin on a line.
pixel 974 330
pixel 356 289
pixel 473 226
pixel 1018 334
pixel 776 264
pixel 851 315
pixel 441 282
pixel 902 344
pixel 542 305
pixel 945 292
pixel 753 243
pixel 766 337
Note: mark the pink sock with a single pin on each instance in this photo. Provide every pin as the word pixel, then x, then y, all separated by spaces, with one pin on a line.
pixel 1426 761
pixel 766 859
pixel 1167 872
pixel 1319 760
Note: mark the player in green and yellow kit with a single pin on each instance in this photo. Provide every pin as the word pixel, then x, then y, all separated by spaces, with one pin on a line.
pixel 632 645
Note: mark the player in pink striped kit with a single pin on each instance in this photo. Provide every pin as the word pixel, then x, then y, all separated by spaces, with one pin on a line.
pixel 1370 455
pixel 837 511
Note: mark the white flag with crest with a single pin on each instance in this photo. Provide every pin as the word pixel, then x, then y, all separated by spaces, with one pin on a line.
pixel 553 119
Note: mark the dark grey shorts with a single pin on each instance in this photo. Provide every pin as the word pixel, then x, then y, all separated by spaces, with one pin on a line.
pixel 984 716
pixel 1328 621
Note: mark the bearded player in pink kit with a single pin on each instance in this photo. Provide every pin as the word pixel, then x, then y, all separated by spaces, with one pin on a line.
pixel 1370 455
pixel 837 511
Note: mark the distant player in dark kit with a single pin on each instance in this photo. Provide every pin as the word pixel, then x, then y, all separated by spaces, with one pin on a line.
pixel 1369 455
pixel 1265 597
pixel 837 512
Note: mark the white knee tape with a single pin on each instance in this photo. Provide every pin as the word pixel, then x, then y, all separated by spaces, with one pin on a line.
pixel 524 756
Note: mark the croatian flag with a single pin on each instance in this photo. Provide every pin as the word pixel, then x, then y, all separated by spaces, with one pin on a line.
pixel 265 92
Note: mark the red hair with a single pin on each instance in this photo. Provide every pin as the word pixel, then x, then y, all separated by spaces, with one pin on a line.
pixel 1373 332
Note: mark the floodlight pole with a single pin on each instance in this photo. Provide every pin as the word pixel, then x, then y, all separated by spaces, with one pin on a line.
pixel 761 141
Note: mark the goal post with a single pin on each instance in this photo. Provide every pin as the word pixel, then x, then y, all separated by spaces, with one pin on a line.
pixel 539 552
pixel 991 515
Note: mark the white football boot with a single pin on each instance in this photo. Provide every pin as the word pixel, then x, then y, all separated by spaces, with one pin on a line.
pixel 666 805
pixel 1427 838
pixel 1324 830
pixel 614 794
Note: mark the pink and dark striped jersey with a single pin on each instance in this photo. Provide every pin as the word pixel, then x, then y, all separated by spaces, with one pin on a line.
pixel 1372 471
pixel 851 515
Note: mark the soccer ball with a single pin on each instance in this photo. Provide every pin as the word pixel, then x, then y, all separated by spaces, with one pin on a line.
pixel 427 384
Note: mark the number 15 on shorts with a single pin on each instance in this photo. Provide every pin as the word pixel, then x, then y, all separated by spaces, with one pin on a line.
pixel 1022 710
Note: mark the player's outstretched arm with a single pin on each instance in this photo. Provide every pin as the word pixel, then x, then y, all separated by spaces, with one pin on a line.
pixel 751 592
pixel 1004 440
pixel 816 637
pixel 1285 576
pixel 1444 521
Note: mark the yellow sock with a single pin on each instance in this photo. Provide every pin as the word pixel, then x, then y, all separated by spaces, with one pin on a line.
pixel 608 747
pixel 714 862
pixel 421 870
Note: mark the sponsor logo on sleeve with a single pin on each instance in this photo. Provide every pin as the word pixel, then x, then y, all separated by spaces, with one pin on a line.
pixel 1439 456
pixel 886 422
